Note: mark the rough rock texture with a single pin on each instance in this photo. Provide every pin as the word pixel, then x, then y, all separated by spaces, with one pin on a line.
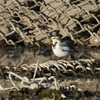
pixel 31 23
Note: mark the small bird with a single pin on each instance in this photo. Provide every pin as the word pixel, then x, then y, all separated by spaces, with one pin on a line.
pixel 62 47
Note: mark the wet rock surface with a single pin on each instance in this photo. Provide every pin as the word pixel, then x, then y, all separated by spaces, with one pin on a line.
pixel 28 68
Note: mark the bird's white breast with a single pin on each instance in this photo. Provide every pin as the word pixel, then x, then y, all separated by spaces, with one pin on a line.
pixel 58 51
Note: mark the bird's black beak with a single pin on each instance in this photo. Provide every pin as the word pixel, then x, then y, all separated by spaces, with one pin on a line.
pixel 54 44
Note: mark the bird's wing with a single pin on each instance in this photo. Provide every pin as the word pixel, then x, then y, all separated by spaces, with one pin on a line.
pixel 67 44
pixel 66 49
pixel 67 41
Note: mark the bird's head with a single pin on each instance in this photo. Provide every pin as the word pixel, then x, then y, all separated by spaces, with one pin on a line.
pixel 55 39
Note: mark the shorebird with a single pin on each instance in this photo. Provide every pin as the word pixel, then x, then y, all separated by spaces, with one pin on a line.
pixel 62 47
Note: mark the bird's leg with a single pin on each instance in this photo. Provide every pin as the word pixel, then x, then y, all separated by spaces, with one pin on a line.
pixel 69 58
pixel 66 58
pixel 53 57
pixel 73 57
